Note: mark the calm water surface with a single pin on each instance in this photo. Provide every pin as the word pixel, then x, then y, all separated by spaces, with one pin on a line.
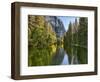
pixel 61 56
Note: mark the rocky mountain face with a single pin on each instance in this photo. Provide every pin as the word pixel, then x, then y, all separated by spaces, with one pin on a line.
pixel 57 25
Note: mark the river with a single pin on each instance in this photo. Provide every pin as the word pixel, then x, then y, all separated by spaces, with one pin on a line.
pixel 62 58
pixel 59 56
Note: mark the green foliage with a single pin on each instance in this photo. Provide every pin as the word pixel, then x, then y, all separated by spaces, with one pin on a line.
pixel 40 39
pixel 83 31
pixel 75 40
pixel 39 57
pixel 39 35
pixel 44 45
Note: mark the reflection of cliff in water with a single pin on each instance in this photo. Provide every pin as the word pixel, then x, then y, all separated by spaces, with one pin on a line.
pixel 61 57
pixel 58 57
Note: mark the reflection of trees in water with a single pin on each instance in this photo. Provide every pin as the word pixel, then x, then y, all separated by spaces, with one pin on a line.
pixel 48 56
pixel 58 57
pixel 72 55
pixel 40 57
pixel 76 55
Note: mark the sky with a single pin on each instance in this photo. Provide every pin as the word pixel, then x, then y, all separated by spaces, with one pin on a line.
pixel 66 20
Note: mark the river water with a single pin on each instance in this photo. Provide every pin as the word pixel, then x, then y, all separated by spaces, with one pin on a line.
pixel 60 56
pixel 63 58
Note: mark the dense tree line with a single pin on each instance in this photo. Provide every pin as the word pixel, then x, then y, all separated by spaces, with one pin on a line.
pixel 76 38
pixel 41 41
pixel 40 33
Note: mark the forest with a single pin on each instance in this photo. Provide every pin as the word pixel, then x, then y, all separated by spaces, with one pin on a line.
pixel 76 39
pixel 48 41
pixel 41 41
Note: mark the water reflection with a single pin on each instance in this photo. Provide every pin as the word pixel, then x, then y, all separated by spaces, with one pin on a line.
pixel 57 55
pixel 77 54
pixel 62 58
pixel 65 60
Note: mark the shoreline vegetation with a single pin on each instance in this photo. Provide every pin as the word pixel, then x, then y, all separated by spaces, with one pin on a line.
pixel 47 38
